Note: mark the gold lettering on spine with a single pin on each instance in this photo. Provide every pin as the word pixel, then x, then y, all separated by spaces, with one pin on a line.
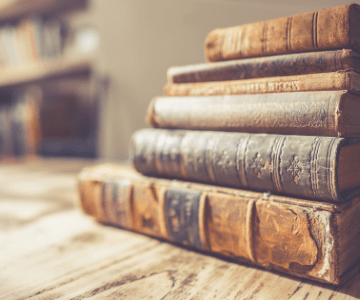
pixel 240 160
pixel 314 167
pixel 162 213
pixel 202 223
pixel 276 162
pixel 250 230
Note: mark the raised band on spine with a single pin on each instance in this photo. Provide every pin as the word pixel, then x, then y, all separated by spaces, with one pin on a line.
pixel 314 162
pixel 202 222
pixel 250 223
pixel 129 195
pixel 240 160
pixel 162 213
pixel 276 162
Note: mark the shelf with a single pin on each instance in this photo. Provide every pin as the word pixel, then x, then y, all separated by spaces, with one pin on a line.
pixel 14 9
pixel 43 70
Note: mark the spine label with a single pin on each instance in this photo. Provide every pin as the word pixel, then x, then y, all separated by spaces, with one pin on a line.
pixel 182 216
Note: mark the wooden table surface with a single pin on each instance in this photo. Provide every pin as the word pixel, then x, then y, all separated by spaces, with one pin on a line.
pixel 50 250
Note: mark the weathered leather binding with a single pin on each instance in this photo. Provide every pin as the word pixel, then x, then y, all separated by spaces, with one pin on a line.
pixel 322 168
pixel 299 83
pixel 303 238
pixel 327 29
pixel 322 113
pixel 268 66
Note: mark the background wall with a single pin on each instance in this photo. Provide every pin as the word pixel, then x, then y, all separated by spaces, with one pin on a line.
pixel 141 39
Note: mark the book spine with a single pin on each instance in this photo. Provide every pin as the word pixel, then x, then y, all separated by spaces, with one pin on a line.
pixel 306 113
pixel 299 83
pixel 320 30
pixel 271 66
pixel 301 166
pixel 290 238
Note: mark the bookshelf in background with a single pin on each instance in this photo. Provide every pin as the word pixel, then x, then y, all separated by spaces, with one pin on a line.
pixel 40 51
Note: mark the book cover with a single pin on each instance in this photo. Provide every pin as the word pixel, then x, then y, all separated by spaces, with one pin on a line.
pixel 267 66
pixel 313 167
pixel 303 238
pixel 322 113
pixel 327 29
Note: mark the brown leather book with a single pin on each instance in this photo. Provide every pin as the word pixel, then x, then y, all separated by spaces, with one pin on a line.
pixel 325 113
pixel 303 238
pixel 322 168
pixel 268 66
pixel 327 29
pixel 333 81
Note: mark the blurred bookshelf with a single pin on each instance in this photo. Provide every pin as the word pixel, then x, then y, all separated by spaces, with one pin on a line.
pixel 46 69
pixel 11 10
pixel 43 70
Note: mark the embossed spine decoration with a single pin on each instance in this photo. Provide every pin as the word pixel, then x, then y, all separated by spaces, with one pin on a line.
pixel 302 166
pixel 280 233
pixel 327 29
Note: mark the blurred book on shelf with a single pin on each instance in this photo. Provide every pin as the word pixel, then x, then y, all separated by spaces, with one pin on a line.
pixel 42 49
pixel 69 116
pixel 20 134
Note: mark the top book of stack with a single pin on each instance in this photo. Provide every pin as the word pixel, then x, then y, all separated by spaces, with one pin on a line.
pixel 327 29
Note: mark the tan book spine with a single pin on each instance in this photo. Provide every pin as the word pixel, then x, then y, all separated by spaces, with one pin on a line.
pixel 299 83
pixel 268 66
pixel 326 29
pixel 331 113
pixel 293 236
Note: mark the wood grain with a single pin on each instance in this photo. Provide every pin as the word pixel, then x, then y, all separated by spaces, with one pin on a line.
pixel 52 251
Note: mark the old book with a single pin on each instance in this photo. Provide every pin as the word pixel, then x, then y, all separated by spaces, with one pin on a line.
pixel 303 238
pixel 323 168
pixel 268 66
pixel 325 113
pixel 327 29
pixel 19 122
pixel 333 81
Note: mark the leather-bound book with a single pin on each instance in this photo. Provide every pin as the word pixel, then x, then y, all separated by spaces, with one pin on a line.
pixel 341 80
pixel 298 237
pixel 324 113
pixel 268 66
pixel 313 167
pixel 327 29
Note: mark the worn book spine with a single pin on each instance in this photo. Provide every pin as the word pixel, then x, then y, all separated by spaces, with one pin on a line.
pixel 290 235
pixel 268 66
pixel 301 166
pixel 327 29
pixel 328 113
pixel 299 83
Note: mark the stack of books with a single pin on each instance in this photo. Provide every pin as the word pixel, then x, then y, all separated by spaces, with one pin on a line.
pixel 263 142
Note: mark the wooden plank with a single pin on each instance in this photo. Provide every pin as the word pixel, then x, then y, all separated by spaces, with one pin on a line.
pixel 50 250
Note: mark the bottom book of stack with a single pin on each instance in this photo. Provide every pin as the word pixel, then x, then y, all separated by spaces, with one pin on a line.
pixel 304 238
